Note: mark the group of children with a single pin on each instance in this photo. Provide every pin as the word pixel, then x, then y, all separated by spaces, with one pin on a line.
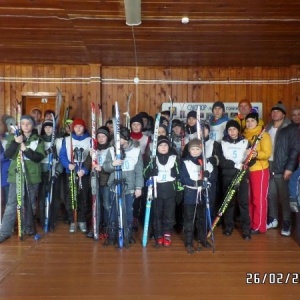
pixel 191 170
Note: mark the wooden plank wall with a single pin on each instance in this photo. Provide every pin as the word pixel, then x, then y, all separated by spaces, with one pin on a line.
pixel 81 84
pixel 267 85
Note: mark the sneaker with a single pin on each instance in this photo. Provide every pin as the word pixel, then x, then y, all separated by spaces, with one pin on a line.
pixel 160 241
pixel 72 228
pixel 90 234
pixel 228 231
pixel 82 226
pixel 272 223
pixel 103 236
pixel 190 249
pixel 3 237
pixel 167 240
pixel 286 228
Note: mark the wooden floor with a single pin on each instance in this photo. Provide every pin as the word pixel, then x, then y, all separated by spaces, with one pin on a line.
pixel 71 266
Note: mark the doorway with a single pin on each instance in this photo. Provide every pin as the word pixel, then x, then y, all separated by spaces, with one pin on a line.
pixel 42 103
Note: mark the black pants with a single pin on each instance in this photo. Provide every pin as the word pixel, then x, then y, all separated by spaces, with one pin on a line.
pixel 194 216
pixel 241 196
pixel 163 209
pixel 83 197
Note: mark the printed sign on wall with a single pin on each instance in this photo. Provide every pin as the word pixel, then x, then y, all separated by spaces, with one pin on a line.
pixel 180 110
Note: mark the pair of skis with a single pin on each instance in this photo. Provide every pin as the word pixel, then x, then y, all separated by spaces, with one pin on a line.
pixel 200 135
pixel 151 184
pixel 51 170
pixel 94 173
pixel 236 182
pixel 123 239
pixel 75 183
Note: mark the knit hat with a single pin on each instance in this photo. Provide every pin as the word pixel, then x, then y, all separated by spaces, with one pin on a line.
pixel 29 118
pixel 218 104
pixel 8 121
pixel 194 143
pixel 279 106
pixel 104 130
pixel 233 123
pixel 245 101
pixel 162 139
pixel 137 119
pixel 143 114
pixel 252 115
pixel 47 123
pixel 78 122
pixel 124 133
pixel 176 122
pixel 192 114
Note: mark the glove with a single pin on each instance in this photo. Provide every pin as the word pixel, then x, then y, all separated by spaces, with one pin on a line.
pixel 205 174
pixel 173 172
pixel 213 160
pixel 153 172
pixel 179 187
pixel 55 175
pixel 50 150
pixel 199 183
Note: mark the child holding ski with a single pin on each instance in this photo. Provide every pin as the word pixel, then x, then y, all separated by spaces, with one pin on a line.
pixel 31 148
pixel 103 145
pixel 131 179
pixel 75 158
pixel 51 169
pixel 192 177
pixel 235 149
pixel 166 169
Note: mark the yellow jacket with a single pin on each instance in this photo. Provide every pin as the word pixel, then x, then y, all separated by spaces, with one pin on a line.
pixel 264 147
pixel 242 123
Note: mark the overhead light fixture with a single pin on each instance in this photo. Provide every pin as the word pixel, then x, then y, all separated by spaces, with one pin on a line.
pixel 185 20
pixel 133 12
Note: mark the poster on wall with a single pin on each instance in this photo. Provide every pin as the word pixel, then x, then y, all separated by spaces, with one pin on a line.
pixel 180 110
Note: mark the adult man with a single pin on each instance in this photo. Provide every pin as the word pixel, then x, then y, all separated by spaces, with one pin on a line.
pixel 245 107
pixel 218 121
pixel 283 161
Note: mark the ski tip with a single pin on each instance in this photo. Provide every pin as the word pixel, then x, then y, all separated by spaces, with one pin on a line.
pixel 37 237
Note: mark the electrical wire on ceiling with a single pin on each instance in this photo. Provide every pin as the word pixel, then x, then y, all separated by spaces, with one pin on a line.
pixel 136 79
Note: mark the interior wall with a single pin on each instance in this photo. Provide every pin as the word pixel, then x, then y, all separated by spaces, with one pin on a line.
pixel 81 84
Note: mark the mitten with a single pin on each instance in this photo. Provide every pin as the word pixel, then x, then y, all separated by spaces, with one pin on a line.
pixel 213 160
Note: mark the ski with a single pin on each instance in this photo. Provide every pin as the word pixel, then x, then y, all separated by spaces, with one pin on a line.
pixel 236 182
pixel 127 113
pixel 58 105
pixel 20 180
pixel 51 170
pixel 118 181
pixel 206 184
pixel 94 177
pixel 150 184
pixel 73 186
pixel 171 118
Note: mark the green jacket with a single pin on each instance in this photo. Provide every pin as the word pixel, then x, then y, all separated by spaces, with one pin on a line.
pixel 32 157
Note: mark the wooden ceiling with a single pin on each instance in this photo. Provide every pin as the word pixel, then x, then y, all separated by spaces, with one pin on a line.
pixel 228 33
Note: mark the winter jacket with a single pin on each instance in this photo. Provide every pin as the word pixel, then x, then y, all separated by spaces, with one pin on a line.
pixel 286 147
pixel 32 157
pixel 64 156
pixel 264 147
pixel 228 166
pixel 133 178
pixel 5 163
